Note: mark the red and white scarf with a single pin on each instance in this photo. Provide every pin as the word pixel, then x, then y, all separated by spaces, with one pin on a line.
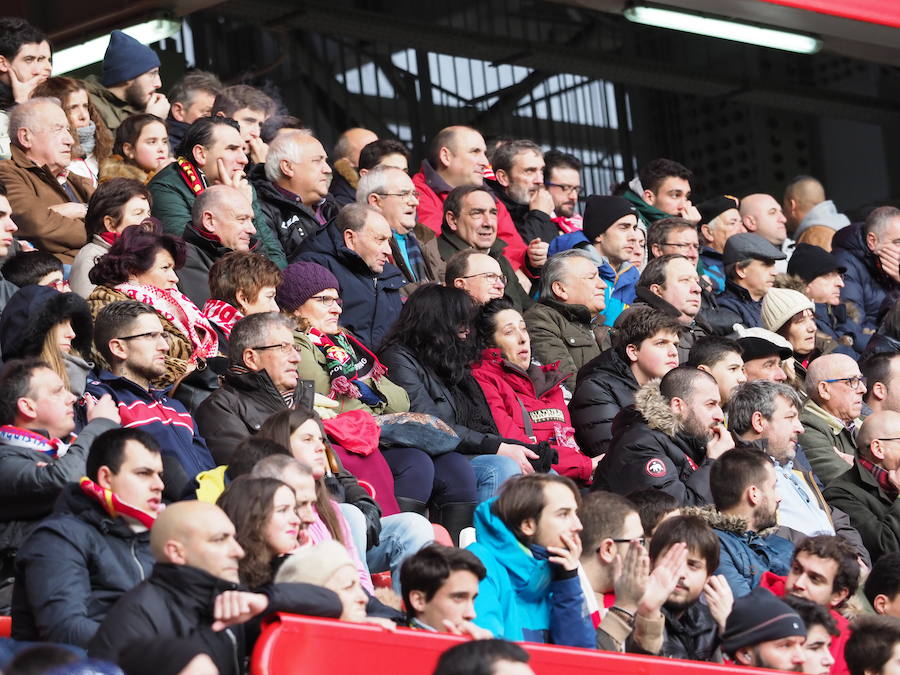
pixel 111 503
pixel 180 311
pixel 222 314
pixel 25 438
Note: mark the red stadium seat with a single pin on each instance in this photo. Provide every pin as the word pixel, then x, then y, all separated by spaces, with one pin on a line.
pixel 293 644
pixel 5 626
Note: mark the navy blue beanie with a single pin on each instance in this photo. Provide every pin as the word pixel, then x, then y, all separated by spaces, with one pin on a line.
pixel 126 58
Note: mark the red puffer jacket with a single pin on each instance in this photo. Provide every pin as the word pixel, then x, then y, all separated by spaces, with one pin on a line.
pixel 508 389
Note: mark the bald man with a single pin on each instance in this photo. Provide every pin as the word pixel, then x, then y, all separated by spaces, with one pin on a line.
pixel 762 215
pixel 868 491
pixel 346 164
pixel 193 593
pixel 811 219
pixel 830 416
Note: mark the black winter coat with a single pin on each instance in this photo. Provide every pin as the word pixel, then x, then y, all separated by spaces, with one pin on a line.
pixel 202 252
pixel 650 450
pixel 735 306
pixel 371 303
pixel 604 386
pixel 73 568
pixel 239 407
pixel 177 602
pixel 293 222
pixel 531 223
pixel 693 636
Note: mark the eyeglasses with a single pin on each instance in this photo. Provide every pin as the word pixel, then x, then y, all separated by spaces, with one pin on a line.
pixel 153 335
pixel 490 276
pixel 577 189
pixel 854 381
pixel 641 540
pixel 283 348
pixel 406 194
pixel 327 301
pixel 895 438
pixel 692 247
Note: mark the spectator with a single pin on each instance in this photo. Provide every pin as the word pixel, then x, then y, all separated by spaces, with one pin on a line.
pixel 872 649
pixel 294 181
pixel 764 632
pixel 130 337
pixel 7 227
pixel 831 416
pixel 129 82
pixel 39 321
pixel 763 353
pixel 95 546
pixel 27 63
pixel 868 252
pixel 639 252
pixel 749 274
pixel 669 439
pixel 478 274
pixel 261 380
pixel 210 154
pixel 670 284
pixel 414 248
pixel 674 236
pixel 30 268
pixel 384 152
pixel 565 324
pixel 820 631
pixel 519 183
pixel 882 586
pixel 116 204
pixel 241 283
pixel 190 574
pixel 484 657
pixel 762 215
pixel 440 584
pixel 644 348
pixel 526 399
pixel 141 265
pixel 883 388
pixel 191 98
pixel 790 314
pixel 457 159
pixel 811 219
pixel 428 352
pixel 654 507
pixel 662 188
pixel 355 249
pixel 562 176
pixel 868 490
pixel 221 222
pixel 346 164
pixel 743 484
pixel 720 219
pixel 141 149
pixel 93 140
pixel 524 595
pixel 470 221
pixel 49 213
pixel 721 358
pixel 38 419
pixel 249 107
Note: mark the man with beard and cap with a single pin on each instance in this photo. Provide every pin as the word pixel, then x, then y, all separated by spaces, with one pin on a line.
pixel 764 632
pixel 719 220
pixel 811 219
pixel 831 416
pixel 763 352
pixel 668 440
pixel 743 485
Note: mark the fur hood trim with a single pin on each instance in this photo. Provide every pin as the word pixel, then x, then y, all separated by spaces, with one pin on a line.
pixel 723 521
pixel 791 281
pixel 348 173
pixel 654 408
pixel 115 166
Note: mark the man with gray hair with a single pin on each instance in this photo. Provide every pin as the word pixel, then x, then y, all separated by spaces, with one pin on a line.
pixel 414 250
pixel 566 325
pixel 261 380
pixel 296 181
pixel 48 205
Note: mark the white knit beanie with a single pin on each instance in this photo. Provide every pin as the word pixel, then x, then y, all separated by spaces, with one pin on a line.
pixel 780 305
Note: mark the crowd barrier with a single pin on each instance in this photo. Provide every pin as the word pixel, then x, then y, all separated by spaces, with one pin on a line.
pixel 295 645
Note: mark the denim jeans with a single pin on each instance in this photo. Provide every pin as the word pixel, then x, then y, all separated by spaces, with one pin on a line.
pixel 491 471
pixel 401 535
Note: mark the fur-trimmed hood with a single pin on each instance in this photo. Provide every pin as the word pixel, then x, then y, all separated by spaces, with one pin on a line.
pixel 115 166
pixel 723 521
pixel 33 311
pixel 649 402
pixel 345 168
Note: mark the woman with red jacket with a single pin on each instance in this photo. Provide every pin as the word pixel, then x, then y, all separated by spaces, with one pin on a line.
pixel 526 399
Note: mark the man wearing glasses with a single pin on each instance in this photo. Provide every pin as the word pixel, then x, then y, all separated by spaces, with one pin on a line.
pixel 131 339
pixel 562 176
pixel 830 417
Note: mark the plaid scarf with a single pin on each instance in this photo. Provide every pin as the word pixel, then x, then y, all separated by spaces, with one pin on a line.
pixel 345 368
pixel 412 255
pixel 114 506
pixel 25 438
pixel 880 476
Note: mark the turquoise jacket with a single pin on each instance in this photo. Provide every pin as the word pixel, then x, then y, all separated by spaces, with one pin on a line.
pixel 523 596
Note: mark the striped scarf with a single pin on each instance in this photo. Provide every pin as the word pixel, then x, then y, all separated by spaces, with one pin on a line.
pixel 25 438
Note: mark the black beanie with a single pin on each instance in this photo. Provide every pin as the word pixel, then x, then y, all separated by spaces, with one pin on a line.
pixel 759 617
pixel 601 212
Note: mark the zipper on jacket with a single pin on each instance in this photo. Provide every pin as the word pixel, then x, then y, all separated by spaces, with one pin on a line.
pixel 136 561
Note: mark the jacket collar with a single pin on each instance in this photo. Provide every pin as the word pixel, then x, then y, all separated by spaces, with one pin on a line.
pixel 742 293
pixel 118 381
pixel 209 242
pixel 572 313
pixel 653 300
pixel 73 500
pixel 433 179
pixel 836 425
pixel 194 587
pixel 459 244
pixel 542 378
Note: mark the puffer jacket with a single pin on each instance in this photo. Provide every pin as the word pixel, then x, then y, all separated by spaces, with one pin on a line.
pixel 513 393
pixel 694 635
pixel 292 221
pixel 688 335
pixel 650 450
pixel 865 285
pixel 372 302
pixel 605 386
pixel 735 306
pixel 73 568
pixel 566 334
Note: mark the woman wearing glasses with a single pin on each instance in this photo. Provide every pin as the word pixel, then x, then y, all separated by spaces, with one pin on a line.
pixel 141 265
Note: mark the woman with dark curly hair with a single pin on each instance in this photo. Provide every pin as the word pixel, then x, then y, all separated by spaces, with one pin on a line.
pixel 264 514
pixel 141 149
pixel 428 352
pixel 141 265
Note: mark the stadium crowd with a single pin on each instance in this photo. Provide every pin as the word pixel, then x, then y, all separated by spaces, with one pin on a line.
pixel 243 375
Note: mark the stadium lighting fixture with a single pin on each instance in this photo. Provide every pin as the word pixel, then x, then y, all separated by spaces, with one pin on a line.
pixel 92 51
pixel 724 29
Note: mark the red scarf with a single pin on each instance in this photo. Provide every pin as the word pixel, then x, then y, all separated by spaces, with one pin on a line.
pixel 195 182
pixel 343 365
pixel 25 438
pixel 114 506
pixel 222 314
pixel 109 237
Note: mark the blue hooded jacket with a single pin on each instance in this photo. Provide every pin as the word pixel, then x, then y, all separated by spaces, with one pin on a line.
pixel 523 596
